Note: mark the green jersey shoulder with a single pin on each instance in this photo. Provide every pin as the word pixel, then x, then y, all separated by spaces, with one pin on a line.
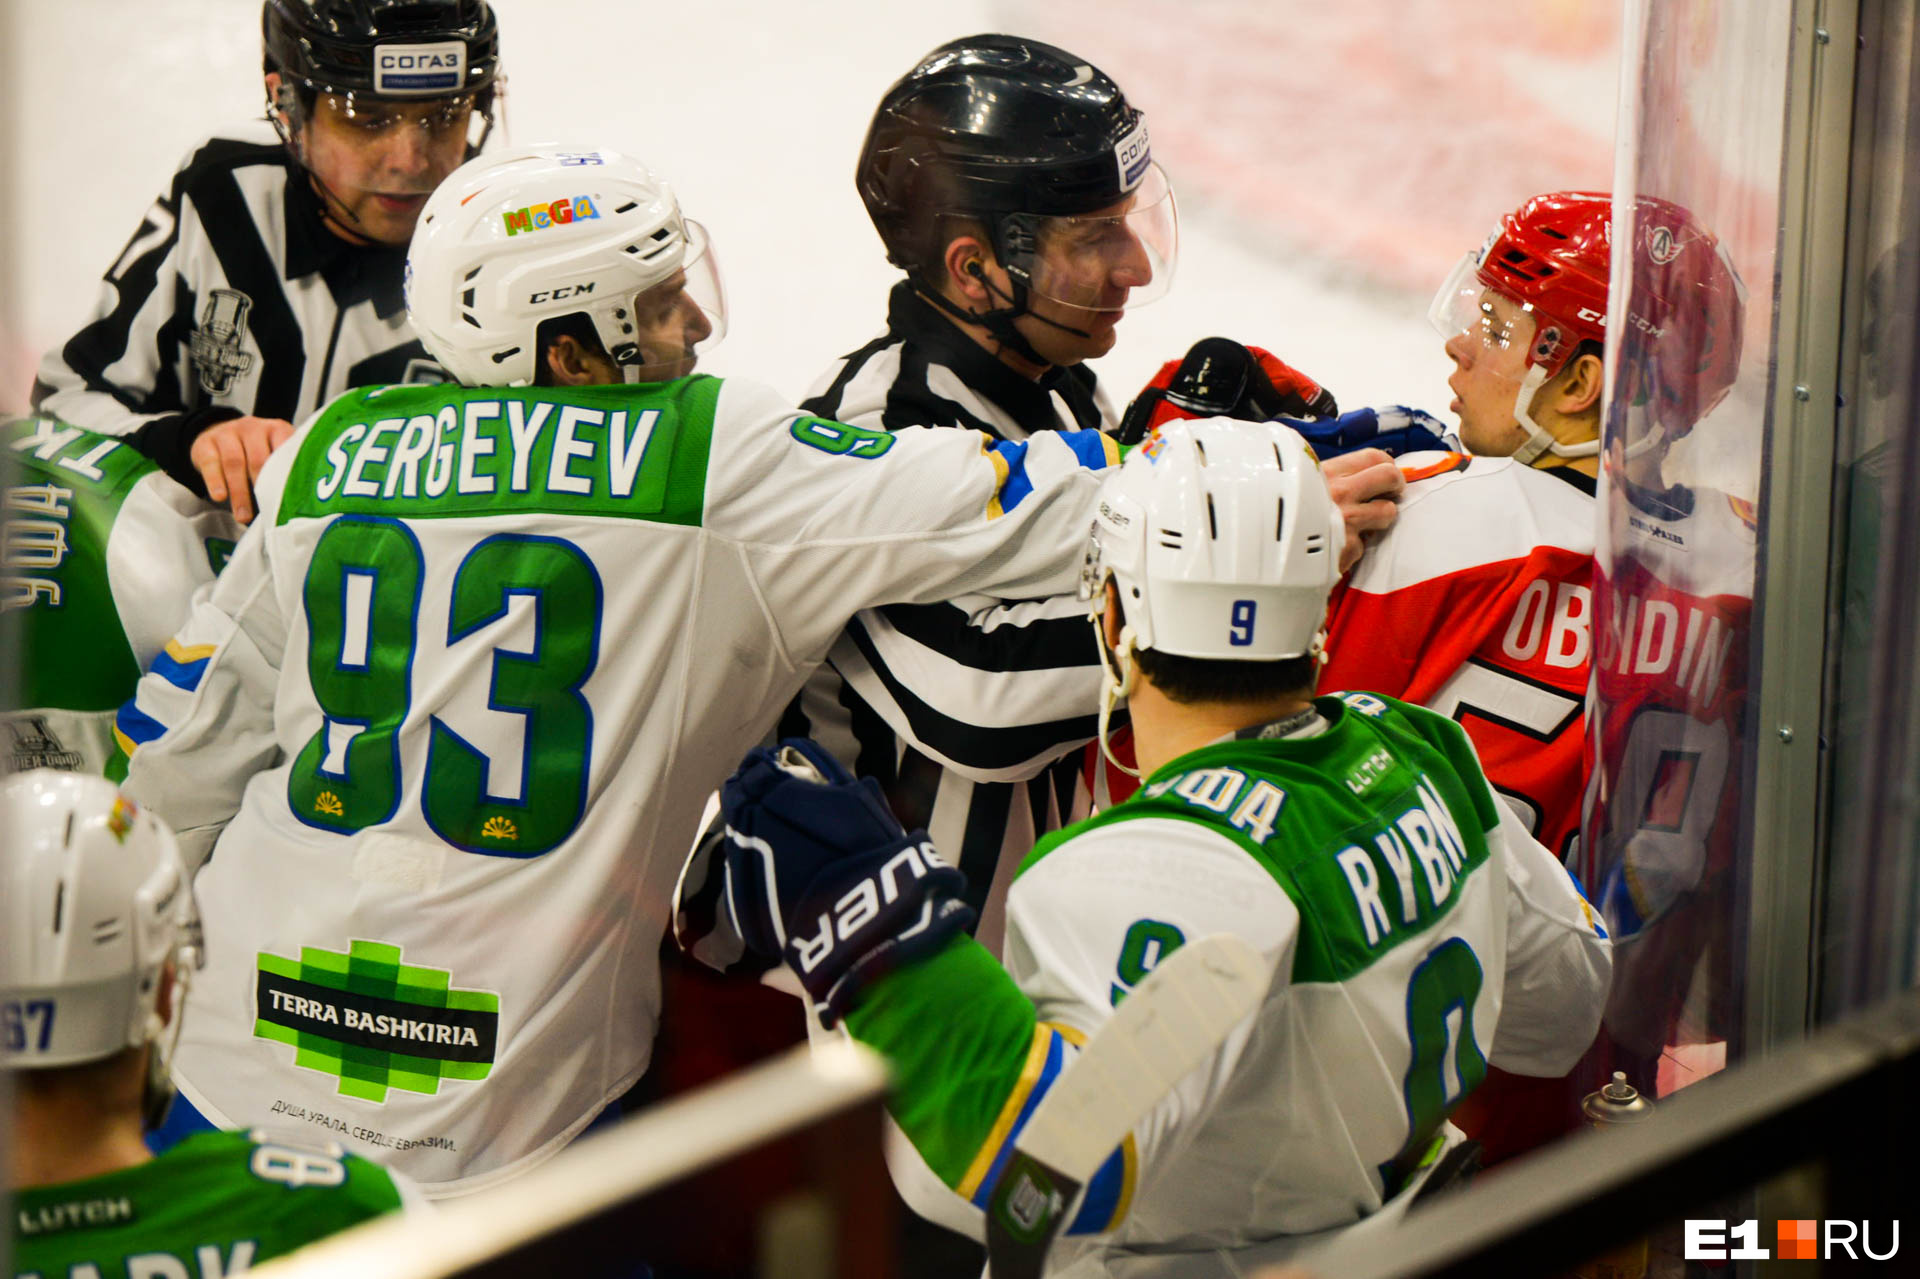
pixel 102 552
pixel 214 1205
pixel 1372 828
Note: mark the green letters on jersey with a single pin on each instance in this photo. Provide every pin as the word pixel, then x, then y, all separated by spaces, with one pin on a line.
pixel 64 488
pixel 426 452
pixel 1371 827
pixel 216 1204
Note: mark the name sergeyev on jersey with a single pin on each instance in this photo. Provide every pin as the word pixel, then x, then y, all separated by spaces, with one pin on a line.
pixel 472 449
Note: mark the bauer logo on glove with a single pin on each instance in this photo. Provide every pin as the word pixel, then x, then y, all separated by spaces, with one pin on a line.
pixel 821 873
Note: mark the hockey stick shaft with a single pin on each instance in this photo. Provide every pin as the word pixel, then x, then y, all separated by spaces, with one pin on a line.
pixel 1177 1017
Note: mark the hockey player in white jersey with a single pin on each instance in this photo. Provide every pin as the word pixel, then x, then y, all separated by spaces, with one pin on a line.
pixel 470 677
pixel 1416 932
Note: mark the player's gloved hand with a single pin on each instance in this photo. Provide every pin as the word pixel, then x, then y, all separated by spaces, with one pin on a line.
pixel 1393 428
pixel 1221 378
pixel 819 871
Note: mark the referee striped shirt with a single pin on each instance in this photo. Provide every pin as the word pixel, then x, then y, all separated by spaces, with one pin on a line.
pixel 969 713
pixel 232 299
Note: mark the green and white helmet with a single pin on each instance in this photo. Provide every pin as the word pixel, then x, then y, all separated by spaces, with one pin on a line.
pixel 94 905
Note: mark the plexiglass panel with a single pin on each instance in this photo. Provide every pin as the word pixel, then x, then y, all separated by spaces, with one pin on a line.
pixel 1867 944
pixel 1665 846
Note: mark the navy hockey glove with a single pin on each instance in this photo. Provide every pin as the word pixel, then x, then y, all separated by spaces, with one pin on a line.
pixel 820 872
pixel 1393 427
pixel 1219 377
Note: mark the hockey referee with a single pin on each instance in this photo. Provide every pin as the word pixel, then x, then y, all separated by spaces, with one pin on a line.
pixel 267 279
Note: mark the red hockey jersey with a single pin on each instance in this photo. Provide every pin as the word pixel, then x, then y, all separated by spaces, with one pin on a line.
pixel 1478 604
pixel 1671 671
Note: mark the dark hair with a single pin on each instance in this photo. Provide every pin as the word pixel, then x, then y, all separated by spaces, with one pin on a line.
pixel 1187 680
pixel 577 325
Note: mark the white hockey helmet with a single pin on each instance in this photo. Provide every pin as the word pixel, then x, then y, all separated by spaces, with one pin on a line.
pixel 94 903
pixel 1223 542
pixel 511 240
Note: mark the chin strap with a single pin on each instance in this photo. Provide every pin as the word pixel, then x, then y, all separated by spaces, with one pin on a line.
pixel 1117 676
pixel 1538 441
pixel 163 1036
pixel 999 322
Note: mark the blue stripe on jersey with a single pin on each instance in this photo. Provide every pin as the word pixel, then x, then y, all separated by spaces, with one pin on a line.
pixel 1109 1194
pixel 1092 449
pixel 1095 449
pixel 182 675
pixel 1618 904
pixel 1049 1071
pixel 1014 484
pixel 135 727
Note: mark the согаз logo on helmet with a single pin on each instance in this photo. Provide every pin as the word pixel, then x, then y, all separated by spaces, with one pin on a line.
pixel 420 68
pixel 537 217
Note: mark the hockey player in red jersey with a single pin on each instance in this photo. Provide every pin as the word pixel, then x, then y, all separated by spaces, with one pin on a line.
pixel 1480 606
pixel 1479 603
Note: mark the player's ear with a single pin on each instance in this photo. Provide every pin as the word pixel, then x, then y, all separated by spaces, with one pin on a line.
pixel 967 259
pixel 1579 386
pixel 279 93
pixel 1112 621
pixel 567 361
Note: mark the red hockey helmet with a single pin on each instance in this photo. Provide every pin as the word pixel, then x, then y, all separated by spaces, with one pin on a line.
pixel 1552 256
pixel 1686 320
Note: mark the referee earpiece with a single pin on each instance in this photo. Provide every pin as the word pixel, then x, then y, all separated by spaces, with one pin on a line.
pixel 972 268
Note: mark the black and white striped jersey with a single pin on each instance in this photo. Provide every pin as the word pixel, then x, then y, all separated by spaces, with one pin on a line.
pixel 967 712
pixel 232 299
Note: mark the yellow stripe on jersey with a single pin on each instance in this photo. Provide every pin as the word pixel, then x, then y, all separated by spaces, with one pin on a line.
pixel 1000 473
pixel 127 745
pixel 189 653
pixel 1003 1124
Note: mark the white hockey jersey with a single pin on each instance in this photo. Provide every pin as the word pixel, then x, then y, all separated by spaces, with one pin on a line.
pixel 455 706
pixel 1416 934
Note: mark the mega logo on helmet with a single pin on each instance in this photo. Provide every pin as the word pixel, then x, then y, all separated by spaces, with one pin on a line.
pixel 537 217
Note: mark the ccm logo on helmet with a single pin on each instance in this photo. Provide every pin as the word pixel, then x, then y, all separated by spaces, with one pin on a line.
pixel 1646 326
pixel 537 217
pixel 564 291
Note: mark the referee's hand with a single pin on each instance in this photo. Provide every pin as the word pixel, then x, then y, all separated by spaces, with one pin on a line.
pixel 229 456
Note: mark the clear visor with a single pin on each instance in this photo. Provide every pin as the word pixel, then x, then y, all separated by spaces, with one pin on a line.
pixel 465 117
pixel 1121 256
pixel 680 318
pixel 1466 306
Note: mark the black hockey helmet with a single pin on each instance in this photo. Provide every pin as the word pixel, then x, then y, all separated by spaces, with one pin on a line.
pixel 998 128
pixel 384 48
